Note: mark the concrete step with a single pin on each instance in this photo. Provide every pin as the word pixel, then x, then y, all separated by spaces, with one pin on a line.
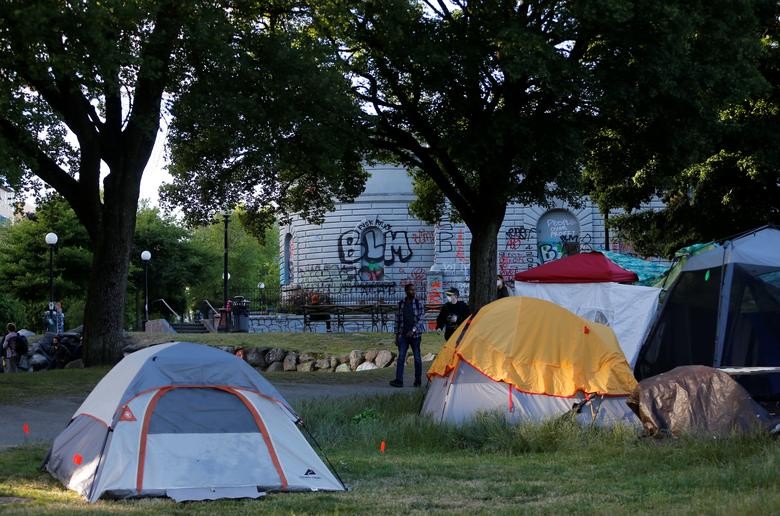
pixel 190 328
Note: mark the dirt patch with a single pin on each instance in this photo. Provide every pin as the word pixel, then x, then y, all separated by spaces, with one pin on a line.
pixel 5 500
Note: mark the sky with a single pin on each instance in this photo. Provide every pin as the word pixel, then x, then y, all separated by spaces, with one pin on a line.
pixel 154 173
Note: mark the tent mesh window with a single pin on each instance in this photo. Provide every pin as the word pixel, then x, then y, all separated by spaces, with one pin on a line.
pixel 181 411
pixel 753 329
pixel 685 332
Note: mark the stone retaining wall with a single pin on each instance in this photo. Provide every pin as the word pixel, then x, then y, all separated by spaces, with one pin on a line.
pixel 277 359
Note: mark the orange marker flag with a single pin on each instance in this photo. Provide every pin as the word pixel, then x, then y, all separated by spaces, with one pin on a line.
pixel 382 447
pixel 26 429
pixel 77 459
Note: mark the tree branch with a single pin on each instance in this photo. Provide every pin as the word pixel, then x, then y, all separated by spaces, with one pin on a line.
pixel 144 119
pixel 412 114
pixel 44 167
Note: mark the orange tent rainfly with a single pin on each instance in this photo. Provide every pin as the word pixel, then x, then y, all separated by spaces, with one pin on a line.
pixel 531 360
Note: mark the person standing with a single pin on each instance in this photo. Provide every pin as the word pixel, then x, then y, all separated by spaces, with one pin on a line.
pixel 409 325
pixel 59 318
pixel 452 313
pixel 9 349
pixel 501 289
pixel 319 316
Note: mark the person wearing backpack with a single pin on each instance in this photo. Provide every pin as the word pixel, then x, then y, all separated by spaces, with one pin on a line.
pixel 409 326
pixel 9 349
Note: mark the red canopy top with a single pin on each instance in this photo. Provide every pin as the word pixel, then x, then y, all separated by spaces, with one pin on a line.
pixel 591 267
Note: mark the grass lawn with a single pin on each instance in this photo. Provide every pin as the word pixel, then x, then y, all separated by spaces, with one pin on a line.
pixel 79 382
pixel 486 467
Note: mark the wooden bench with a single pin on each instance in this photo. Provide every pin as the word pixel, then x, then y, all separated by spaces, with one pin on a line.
pixel 376 315
pixel 325 314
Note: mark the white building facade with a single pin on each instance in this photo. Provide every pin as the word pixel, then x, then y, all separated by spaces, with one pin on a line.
pixel 367 250
pixel 7 205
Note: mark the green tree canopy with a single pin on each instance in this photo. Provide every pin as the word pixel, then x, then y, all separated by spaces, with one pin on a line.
pixel 176 264
pixel 82 86
pixel 224 151
pixel 709 149
pixel 493 102
pixel 249 262
pixel 24 262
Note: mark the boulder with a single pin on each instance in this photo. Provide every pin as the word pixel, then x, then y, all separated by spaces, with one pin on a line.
pixel 306 357
pixel 322 364
pixel 384 358
pixel 227 349
pixel 75 364
pixel 366 366
pixel 343 368
pixel 306 367
pixel 274 367
pixel 256 357
pixel 333 362
pixel 371 355
pixel 275 355
pixel 355 359
pixel 428 357
pixel 290 361
pixel 132 348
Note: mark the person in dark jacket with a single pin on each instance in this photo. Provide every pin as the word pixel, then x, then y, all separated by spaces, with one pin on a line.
pixel 409 326
pixel 452 313
pixel 501 289
pixel 9 349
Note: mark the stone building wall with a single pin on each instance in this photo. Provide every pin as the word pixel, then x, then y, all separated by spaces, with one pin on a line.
pixel 372 247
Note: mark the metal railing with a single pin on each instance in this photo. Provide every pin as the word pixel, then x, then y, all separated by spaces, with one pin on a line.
pixel 166 305
pixel 213 310
pixel 292 299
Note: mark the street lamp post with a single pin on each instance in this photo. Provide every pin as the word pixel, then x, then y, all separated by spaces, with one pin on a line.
pixel 225 275
pixel 260 292
pixel 145 257
pixel 51 240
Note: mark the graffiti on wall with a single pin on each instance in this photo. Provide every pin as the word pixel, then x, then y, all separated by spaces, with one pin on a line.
pixel 416 275
pixel 519 253
pixel 557 231
pixel 460 253
pixel 566 246
pixel 446 237
pixel 327 273
pixel 374 245
pixel 423 236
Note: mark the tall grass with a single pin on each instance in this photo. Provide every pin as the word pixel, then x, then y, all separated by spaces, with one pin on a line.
pixel 362 423
pixel 486 466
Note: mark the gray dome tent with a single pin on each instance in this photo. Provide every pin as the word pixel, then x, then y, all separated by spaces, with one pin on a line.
pixel 189 422
pixel 723 311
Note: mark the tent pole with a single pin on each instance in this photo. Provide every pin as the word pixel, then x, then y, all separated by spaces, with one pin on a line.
pixel 724 297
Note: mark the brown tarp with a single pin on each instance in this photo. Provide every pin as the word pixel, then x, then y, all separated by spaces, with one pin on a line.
pixel 697 400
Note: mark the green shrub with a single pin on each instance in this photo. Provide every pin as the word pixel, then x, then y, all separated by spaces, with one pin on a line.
pixel 12 310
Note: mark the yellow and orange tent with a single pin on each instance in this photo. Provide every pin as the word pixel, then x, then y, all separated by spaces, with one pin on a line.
pixel 532 360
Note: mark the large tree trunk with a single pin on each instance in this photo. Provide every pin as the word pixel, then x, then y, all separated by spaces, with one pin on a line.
pixel 104 316
pixel 484 261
